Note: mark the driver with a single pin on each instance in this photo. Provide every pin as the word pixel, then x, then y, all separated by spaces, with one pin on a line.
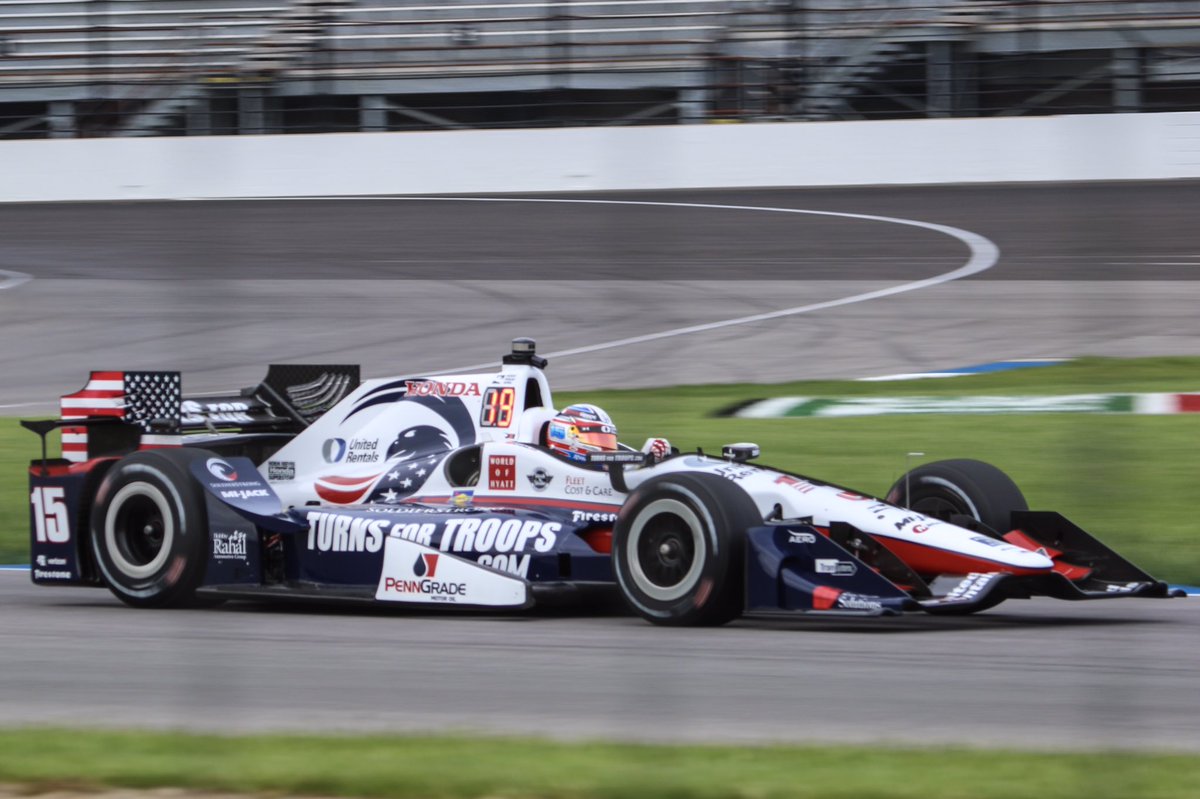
pixel 583 428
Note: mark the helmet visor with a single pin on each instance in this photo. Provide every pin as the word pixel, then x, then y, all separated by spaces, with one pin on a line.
pixel 596 436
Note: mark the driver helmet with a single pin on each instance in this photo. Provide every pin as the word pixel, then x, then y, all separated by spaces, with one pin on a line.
pixel 580 429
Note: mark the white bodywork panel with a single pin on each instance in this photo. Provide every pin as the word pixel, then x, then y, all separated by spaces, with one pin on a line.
pixel 389 441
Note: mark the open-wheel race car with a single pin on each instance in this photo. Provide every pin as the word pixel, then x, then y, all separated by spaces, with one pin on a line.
pixel 463 491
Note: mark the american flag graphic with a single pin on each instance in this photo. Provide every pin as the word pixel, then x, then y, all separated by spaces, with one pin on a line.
pixel 136 397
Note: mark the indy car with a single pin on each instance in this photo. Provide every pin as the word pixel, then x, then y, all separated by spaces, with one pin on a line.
pixel 443 491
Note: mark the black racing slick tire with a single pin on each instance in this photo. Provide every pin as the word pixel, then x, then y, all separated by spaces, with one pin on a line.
pixel 944 489
pixel 149 529
pixel 679 549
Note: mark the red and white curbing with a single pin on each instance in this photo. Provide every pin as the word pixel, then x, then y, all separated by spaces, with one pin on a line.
pixel 1166 403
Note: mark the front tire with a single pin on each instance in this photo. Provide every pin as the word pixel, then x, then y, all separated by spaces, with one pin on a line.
pixel 943 489
pixel 679 549
pixel 149 529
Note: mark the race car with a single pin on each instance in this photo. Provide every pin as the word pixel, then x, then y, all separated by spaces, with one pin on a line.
pixel 454 491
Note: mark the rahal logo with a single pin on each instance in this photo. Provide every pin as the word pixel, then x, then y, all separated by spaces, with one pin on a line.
pixel 228 546
pixel 333 450
pixel 221 469
pixel 539 478
pixel 426 565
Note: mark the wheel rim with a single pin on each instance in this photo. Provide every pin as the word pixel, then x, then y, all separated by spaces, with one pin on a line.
pixel 139 530
pixel 941 499
pixel 664 551
pixel 938 506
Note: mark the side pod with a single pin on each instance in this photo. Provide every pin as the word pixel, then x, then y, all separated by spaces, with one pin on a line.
pixel 794 568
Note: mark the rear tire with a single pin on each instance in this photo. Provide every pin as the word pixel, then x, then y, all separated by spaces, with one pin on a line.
pixel 679 549
pixel 150 529
pixel 943 489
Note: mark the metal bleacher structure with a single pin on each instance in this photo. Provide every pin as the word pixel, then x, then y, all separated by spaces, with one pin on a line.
pixel 98 68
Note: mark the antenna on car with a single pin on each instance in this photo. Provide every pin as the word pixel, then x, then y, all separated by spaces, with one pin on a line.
pixel 907 469
pixel 524 353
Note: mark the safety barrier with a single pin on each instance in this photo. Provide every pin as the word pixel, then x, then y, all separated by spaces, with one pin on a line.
pixel 1052 148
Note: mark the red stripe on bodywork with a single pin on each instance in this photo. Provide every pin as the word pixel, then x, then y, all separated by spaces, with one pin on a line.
pixel 83 413
pixel 348 481
pixel 600 540
pixel 107 376
pixel 62 469
pixel 824 597
pixel 927 560
pixel 340 497
pixel 1068 570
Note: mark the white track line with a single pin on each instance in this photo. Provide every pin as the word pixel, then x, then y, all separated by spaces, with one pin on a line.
pixel 10 280
pixel 984 255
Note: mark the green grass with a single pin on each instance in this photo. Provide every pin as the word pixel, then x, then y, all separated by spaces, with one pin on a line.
pixel 17 447
pixel 1130 480
pixel 437 766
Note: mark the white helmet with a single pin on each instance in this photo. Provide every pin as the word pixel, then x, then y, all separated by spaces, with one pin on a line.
pixel 580 429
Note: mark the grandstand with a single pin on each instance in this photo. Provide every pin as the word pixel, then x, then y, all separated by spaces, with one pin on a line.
pixel 101 68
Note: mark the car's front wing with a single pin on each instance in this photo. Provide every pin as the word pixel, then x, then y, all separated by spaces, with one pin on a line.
pixel 799 568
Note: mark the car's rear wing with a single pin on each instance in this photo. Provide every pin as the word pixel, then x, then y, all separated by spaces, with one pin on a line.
pixel 117 412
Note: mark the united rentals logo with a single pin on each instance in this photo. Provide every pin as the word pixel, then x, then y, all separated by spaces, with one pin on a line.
pixel 333 450
pixel 357 450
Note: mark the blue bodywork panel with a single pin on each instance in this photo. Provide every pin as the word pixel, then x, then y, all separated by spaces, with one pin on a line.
pixel 794 567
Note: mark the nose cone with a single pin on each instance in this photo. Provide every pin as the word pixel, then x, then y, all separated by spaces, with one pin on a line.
pixel 1025 559
pixel 958 556
pixel 1007 556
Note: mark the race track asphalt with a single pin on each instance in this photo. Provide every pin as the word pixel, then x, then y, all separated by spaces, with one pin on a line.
pixel 1027 674
pixel 218 289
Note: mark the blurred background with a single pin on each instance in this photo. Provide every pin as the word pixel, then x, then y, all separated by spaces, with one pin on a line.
pixel 690 146
pixel 101 68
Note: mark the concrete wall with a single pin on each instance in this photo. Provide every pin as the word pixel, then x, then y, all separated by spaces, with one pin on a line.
pixel 1062 148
